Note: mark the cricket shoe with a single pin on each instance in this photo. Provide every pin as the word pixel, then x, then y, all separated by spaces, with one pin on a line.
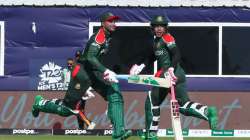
pixel 125 136
pixel 212 117
pixel 35 109
pixel 149 136
pixel 91 126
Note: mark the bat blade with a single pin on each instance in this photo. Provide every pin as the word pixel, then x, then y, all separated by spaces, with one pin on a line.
pixel 149 80
pixel 175 116
pixel 176 121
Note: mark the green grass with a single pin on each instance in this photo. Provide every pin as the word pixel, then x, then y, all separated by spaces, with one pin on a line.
pixel 48 137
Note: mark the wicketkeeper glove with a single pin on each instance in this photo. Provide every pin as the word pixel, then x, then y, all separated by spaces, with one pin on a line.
pixel 110 76
pixel 136 69
pixel 171 75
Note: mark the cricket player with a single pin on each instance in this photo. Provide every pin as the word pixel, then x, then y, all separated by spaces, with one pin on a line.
pixel 91 72
pixel 88 95
pixel 66 76
pixel 66 73
pixel 100 78
pixel 74 99
pixel 168 57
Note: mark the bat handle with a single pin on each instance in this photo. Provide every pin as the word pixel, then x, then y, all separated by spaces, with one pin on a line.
pixel 84 118
pixel 81 114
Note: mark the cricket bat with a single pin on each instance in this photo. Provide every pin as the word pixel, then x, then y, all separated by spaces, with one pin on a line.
pixel 175 116
pixel 147 80
pixel 90 125
pixel 166 83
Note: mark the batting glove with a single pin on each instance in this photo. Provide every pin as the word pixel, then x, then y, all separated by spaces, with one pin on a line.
pixel 110 76
pixel 136 69
pixel 171 75
pixel 88 95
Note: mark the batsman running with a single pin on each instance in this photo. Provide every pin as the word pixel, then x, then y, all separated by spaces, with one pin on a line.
pixel 91 72
pixel 100 78
pixel 168 57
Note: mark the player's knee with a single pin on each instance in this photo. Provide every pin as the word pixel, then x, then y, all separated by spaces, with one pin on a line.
pixel 147 102
pixel 115 88
pixel 64 111
pixel 153 99
pixel 115 97
pixel 193 109
pixel 114 94
pixel 183 100
pixel 184 107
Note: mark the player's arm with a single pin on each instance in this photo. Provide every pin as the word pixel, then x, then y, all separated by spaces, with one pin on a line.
pixel 91 57
pixel 175 56
pixel 174 50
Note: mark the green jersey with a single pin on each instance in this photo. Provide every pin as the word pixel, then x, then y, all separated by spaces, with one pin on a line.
pixel 97 45
pixel 167 55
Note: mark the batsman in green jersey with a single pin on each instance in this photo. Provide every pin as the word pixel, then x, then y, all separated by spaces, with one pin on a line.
pixel 168 57
pixel 101 79
pixel 90 72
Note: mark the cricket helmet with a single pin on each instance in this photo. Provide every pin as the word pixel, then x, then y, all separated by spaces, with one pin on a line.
pixel 159 20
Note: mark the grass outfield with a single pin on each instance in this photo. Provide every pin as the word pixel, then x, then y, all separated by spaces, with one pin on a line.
pixel 44 137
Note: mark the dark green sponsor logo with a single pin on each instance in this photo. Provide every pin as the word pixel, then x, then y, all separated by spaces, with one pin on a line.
pixel 150 81
pixel 134 78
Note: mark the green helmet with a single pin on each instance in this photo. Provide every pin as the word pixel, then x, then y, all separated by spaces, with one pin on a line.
pixel 159 20
pixel 108 17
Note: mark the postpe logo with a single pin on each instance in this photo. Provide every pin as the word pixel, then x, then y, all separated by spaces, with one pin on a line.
pixel 24 131
pixel 75 132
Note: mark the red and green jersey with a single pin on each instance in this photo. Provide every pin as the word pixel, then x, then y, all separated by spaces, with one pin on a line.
pixel 97 45
pixel 165 51
pixel 167 55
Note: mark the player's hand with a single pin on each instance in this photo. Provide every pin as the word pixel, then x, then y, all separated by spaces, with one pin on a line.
pixel 110 76
pixel 171 75
pixel 136 69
